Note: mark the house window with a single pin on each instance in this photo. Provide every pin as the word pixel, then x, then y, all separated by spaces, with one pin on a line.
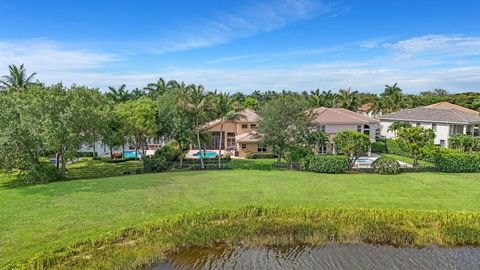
pixel 434 127
pixel 253 126
pixel 322 128
pixel 442 143
pixel 359 128
pixel 418 124
pixel 366 130
pixel 323 150
pixel 262 148
pixel 244 146
pixel 244 126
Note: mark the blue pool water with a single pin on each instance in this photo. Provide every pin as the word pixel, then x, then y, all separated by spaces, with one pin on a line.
pixel 205 154
pixel 131 154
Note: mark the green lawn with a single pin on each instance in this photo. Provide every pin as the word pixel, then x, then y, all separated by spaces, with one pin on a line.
pixel 409 160
pixel 35 218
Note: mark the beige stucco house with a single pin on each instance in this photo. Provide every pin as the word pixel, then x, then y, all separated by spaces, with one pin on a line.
pixel 238 134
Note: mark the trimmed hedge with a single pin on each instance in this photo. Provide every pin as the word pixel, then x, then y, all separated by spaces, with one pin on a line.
pixel 459 162
pixel 260 155
pixel 386 165
pixel 325 164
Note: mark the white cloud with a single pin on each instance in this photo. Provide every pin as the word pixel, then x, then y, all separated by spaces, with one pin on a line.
pixel 45 55
pixel 251 20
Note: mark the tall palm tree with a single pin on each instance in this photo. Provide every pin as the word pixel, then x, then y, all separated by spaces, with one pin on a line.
pixel 315 99
pixel 196 102
pixel 390 89
pixel 397 125
pixel 118 95
pixel 157 89
pixel 348 99
pixel 18 78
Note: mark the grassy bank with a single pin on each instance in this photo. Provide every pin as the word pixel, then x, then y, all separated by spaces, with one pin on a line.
pixel 42 217
pixel 137 247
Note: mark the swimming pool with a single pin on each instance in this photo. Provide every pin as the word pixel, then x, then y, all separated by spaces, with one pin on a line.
pixel 206 154
pixel 365 160
pixel 131 154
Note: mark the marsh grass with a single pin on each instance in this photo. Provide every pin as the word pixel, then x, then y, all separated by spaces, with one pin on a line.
pixel 141 246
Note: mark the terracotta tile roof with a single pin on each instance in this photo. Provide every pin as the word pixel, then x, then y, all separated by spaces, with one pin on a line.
pixel 340 116
pixel 448 105
pixel 243 116
pixel 422 114
pixel 247 137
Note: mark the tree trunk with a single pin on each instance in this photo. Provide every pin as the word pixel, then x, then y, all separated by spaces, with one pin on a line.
pixel 279 158
pixel 63 169
pixel 94 150
pixel 415 161
pixel 220 146
pixel 123 149
pixel 200 148
pixel 57 161
pixel 111 152
pixel 181 155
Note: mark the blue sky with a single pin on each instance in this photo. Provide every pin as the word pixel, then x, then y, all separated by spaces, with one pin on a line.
pixel 247 45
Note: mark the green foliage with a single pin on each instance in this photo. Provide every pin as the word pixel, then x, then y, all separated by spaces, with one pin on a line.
pixel 170 152
pixel 296 153
pixel 40 173
pixel 386 165
pixel 353 144
pixel 379 147
pixel 464 143
pixel 325 163
pixel 283 120
pixel 260 155
pixel 316 140
pixel 459 162
pixel 262 226
pixel 155 164
pixel 413 139
pixel 431 153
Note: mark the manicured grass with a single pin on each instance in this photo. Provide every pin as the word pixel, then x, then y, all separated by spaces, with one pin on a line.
pixel 40 217
pixel 89 168
pixel 139 247
pixel 409 160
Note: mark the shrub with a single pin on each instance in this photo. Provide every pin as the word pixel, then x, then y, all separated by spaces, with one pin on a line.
pixel 155 164
pixel 259 155
pixel 41 173
pixel 459 162
pixel 394 148
pixel 297 152
pixel 170 152
pixel 379 147
pixel 386 165
pixel 432 152
pixel 325 163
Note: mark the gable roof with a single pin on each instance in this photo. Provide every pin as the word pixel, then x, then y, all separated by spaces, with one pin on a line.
pixel 243 116
pixel 448 105
pixel 340 116
pixel 422 114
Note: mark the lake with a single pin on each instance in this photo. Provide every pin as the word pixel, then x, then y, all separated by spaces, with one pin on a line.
pixel 331 257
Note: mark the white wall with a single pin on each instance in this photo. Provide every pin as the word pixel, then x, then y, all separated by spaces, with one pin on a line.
pixel 442 132
pixel 334 129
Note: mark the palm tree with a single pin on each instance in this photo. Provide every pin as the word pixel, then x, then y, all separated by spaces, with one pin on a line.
pixel 157 89
pixel 137 93
pixel 196 102
pixel 317 139
pixel 377 106
pixel 398 125
pixel 18 78
pixel 390 89
pixel 348 99
pixel 316 99
pixel 118 95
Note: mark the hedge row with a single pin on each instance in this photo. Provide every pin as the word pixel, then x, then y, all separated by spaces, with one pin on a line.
pixel 459 162
pixel 379 147
pixel 325 164
pixel 260 155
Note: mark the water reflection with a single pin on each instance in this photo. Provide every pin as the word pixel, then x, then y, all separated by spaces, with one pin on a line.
pixel 329 257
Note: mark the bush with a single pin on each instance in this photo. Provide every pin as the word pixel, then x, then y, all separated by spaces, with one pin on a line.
pixel 379 147
pixel 41 173
pixel 431 153
pixel 394 148
pixel 155 164
pixel 170 152
pixel 325 164
pixel 260 155
pixel 459 162
pixel 386 165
